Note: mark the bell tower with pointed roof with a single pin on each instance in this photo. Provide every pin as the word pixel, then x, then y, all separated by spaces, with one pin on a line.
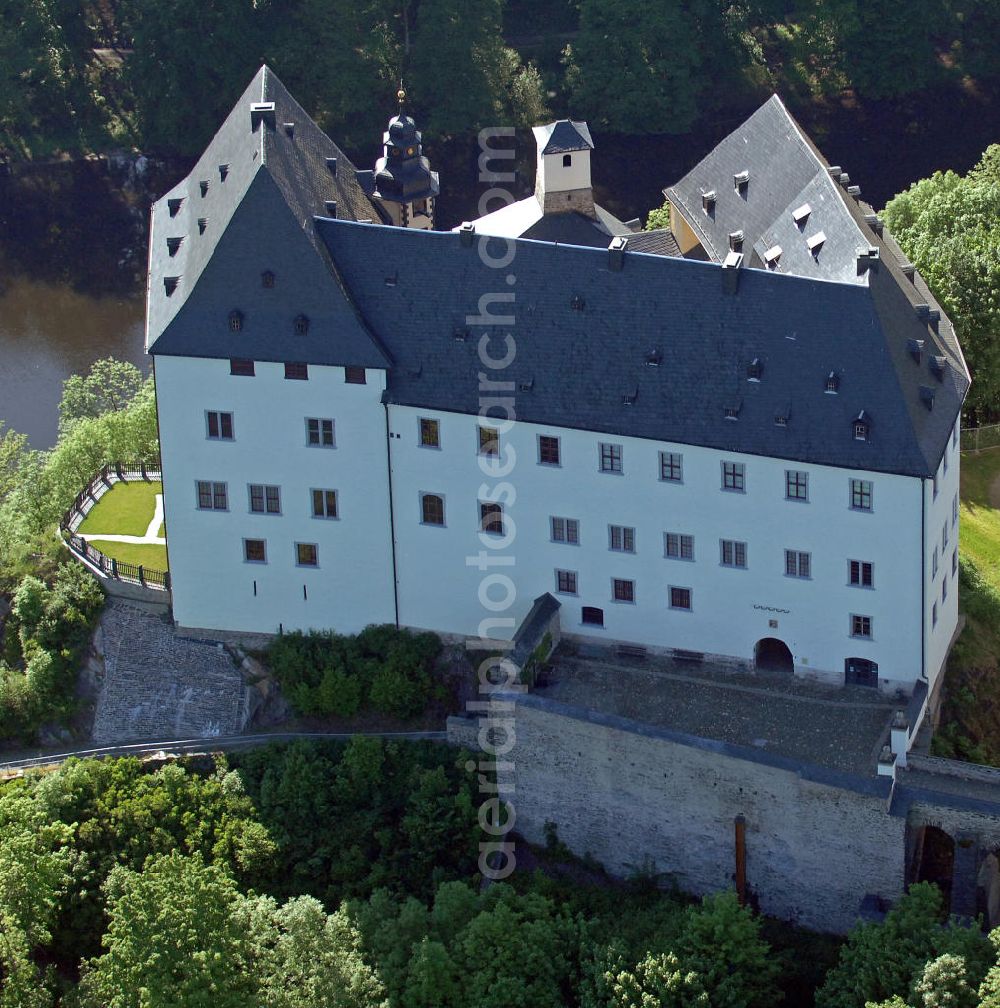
pixel 404 186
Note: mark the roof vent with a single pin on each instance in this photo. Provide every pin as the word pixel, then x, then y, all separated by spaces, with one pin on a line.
pixel 938 365
pixel 736 241
pixel 331 207
pixel 223 172
pixel 202 224
pixel 832 383
pixel 203 186
pixel 630 397
pixel 754 370
pixel 616 254
pixel 466 232
pixel 173 205
pixel 289 129
pixel 816 241
pixel 731 272
pixel 460 334
pixel 916 348
pixel 741 179
pixel 261 112
pixel 577 303
pixel 708 201
pixel 170 284
pixel 801 214
pixel 654 358
pixel 855 191
pixel 173 244
pixel 525 384
pixel 772 256
pixel 927 396
pixel 331 165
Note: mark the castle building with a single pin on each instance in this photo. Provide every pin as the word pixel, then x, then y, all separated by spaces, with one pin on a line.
pixel 736 438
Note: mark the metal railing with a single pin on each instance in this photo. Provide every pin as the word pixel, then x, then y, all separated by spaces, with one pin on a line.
pixel 80 508
pixel 977 439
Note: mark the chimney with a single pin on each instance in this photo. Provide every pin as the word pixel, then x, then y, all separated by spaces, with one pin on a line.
pixel 731 272
pixel 466 232
pixel 616 254
pixel 261 112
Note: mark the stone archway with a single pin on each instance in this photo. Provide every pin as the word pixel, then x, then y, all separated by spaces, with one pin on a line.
pixel 773 657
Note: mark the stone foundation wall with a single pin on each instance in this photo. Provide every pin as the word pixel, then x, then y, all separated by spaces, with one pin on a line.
pixel 640 798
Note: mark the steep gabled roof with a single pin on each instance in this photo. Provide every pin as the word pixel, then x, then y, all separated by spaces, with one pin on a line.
pixel 586 335
pixel 563 137
pixel 248 206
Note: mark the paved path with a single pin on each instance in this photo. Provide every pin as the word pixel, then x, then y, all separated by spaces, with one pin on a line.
pixel 150 538
pixel 161 686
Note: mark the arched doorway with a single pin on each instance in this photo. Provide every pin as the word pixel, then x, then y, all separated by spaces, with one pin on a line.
pixel 772 657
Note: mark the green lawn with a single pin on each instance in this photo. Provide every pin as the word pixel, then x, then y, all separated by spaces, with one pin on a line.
pixel 979 537
pixel 152 556
pixel 126 509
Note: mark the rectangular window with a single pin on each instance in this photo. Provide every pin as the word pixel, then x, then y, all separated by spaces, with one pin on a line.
pixel 566 582
pixel 934 562
pixel 489 441
pixel 548 450
pixel 491 518
pixel 622 590
pixel 299 372
pixel 944 590
pixel 796 485
pixel 324 503
pixel 860 573
pixel 306 554
pixel 220 425
pixel 797 564
pixel 861 495
pixel 733 553
pixel 954 562
pixel 319 432
pixel 212 496
pixel 733 476
pixel 611 457
pixel 355 375
pixel 430 433
pixel 432 509
pixel 671 467
pixel 944 539
pixel 254 551
pixel 954 509
pixel 565 530
pixel 592 616
pixel 677 546
pixel 241 366
pixel 265 499
pixel 621 538
pixel 861 626
pixel 934 615
pixel 680 598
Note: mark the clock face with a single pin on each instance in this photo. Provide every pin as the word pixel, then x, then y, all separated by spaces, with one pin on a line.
pixel 410 151
pixel 395 152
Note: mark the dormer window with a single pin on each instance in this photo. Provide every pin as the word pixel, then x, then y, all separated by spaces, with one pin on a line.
pixel 204 188
pixel 567 160
pixel 173 244
pixel 708 201
pixel 731 412
pixel 861 427
pixel 833 382
pixel 754 370
pixel 267 279
pixel 202 224
pixel 772 257
pixel 735 241
pixel 816 242
pixel 740 182
pixel 654 358
pixel 916 348
pixel 223 172
pixel 235 320
pixel 170 284
pixel 301 325
pixel 174 205
pixel 801 214
pixel 781 419
pixel 577 304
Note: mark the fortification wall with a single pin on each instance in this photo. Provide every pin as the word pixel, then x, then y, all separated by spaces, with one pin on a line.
pixel 637 797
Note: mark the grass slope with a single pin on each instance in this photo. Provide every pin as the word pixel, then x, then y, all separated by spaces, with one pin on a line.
pixel 149 555
pixel 126 509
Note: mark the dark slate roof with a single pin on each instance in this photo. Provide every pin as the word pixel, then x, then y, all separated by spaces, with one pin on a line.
pixel 259 217
pixel 575 229
pixel 564 136
pixel 582 361
pixel 659 241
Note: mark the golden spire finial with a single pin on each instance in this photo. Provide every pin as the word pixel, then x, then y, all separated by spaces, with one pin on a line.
pixel 401 95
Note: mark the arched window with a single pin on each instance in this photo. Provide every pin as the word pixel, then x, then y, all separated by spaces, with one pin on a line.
pixel 860 672
pixel 567 160
pixel 432 509
pixel 592 616
pixel 235 320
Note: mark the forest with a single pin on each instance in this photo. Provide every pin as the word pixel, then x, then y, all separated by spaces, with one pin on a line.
pixel 345 876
